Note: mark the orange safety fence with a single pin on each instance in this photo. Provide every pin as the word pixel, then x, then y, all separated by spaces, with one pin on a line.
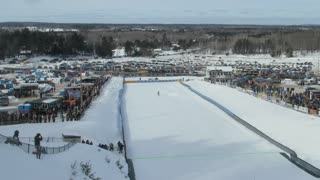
pixel 130 81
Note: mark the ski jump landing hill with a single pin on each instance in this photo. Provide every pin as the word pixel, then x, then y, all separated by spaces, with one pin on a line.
pixel 181 135
pixel 293 157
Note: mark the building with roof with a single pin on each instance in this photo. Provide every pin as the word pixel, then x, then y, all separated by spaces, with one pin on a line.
pixel 220 74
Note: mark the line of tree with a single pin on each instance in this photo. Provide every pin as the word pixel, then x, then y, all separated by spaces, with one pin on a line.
pixel 51 43
pixel 11 43
pixel 105 46
pixel 146 47
pixel 241 41
pixel 247 46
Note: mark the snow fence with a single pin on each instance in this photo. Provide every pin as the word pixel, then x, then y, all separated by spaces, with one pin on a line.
pixel 31 149
pixel 293 157
pixel 131 172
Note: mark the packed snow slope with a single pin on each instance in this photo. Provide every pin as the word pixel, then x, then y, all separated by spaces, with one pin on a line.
pixel 17 165
pixel 296 130
pixel 100 123
pixel 179 136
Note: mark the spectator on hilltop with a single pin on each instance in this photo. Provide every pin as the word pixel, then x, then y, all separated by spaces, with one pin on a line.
pixel 111 147
pixel 120 147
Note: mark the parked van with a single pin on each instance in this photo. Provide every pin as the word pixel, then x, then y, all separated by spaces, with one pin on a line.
pixel 4 101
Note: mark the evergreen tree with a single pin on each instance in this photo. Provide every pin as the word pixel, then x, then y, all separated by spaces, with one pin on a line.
pixel 105 47
pixel 129 48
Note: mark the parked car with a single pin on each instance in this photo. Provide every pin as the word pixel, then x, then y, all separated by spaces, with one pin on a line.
pixel 4 101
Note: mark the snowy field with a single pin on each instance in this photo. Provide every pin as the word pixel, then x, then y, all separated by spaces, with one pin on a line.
pixel 296 130
pixel 179 136
pixel 17 165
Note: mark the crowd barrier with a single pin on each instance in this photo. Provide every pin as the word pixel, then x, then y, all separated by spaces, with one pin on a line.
pixel 312 170
pixel 131 172
pixel 30 148
pixel 44 139
pixel 277 101
pixel 151 81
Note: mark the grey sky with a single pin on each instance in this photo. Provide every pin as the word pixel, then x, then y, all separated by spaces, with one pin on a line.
pixel 163 11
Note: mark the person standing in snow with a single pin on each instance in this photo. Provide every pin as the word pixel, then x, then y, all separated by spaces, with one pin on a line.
pixel 120 147
pixel 62 117
pixel 158 93
pixel 16 138
pixel 37 140
pixel 53 118
pixel 111 147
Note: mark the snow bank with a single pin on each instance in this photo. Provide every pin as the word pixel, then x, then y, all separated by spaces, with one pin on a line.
pixel 17 165
pixel 296 130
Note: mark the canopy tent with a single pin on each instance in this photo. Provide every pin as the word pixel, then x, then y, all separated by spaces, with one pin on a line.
pixel 45 103
pixel 8 109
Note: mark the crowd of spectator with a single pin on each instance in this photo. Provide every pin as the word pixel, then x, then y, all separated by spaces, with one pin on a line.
pixel 289 95
pixel 67 109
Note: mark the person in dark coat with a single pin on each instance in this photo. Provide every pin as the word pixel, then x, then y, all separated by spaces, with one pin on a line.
pixel 37 140
pixel 120 147
pixel 111 147
pixel 54 118
pixel 106 147
pixel 15 138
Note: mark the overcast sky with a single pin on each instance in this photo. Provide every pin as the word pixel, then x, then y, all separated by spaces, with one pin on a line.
pixel 163 11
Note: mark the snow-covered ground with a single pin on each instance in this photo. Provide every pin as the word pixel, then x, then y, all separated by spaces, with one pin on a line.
pixel 100 124
pixel 179 136
pixel 176 135
pixel 16 164
pixel 296 130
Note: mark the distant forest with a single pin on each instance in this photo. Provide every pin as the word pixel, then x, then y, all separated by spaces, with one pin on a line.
pixel 275 41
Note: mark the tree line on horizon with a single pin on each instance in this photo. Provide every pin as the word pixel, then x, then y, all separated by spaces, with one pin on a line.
pixel 75 43
pixel 275 43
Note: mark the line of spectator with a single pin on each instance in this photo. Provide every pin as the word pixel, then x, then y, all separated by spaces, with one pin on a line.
pixel 288 95
pixel 111 147
pixel 67 111
pixel 87 142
